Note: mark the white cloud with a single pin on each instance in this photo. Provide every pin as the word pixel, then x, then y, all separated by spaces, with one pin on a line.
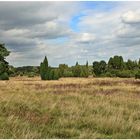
pixel 35 29
pixel 131 17
pixel 83 37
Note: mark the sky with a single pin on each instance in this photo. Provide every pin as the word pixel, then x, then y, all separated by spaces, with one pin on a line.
pixel 67 32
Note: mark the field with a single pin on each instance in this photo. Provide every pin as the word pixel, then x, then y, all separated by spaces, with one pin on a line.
pixel 70 108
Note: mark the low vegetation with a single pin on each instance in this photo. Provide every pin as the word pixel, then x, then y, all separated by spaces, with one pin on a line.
pixel 137 75
pixel 70 108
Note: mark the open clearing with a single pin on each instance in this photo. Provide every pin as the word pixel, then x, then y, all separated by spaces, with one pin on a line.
pixel 70 108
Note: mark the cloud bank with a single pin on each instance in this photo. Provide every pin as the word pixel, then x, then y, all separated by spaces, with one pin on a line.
pixel 69 31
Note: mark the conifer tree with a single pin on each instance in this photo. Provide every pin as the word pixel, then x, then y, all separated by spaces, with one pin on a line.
pixel 87 64
pixel 44 69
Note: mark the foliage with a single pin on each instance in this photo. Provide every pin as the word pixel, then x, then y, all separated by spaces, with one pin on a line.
pixel 24 71
pixel 3 51
pixel 4 69
pixel 108 74
pixel 76 70
pixel 53 74
pixel 99 67
pixel 44 70
pixel 80 71
pixel 31 74
pixel 56 75
pixel 4 76
pixel 12 71
pixel 48 73
pixel 116 63
pixel 62 69
pixel 125 74
pixel 131 65
pixel 68 73
pixel 137 75
pixel 116 67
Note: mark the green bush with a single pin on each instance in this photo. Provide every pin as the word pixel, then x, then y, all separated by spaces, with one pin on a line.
pixel 68 73
pixel 4 76
pixel 21 74
pixel 12 75
pixel 56 75
pixel 115 72
pixel 111 73
pixel 31 74
pixel 108 74
pixel 137 75
pixel 125 74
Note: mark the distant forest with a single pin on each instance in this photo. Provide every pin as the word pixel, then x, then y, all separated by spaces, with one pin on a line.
pixel 115 67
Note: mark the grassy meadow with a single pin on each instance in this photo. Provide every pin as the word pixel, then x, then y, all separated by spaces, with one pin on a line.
pixel 70 108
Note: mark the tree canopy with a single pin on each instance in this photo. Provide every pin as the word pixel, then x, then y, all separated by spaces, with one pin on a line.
pixel 4 68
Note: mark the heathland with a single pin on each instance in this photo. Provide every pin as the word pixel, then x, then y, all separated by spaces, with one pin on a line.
pixel 70 108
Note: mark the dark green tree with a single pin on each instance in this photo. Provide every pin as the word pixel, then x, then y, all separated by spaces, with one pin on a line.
pixel 45 61
pixel 77 70
pixel 51 74
pixel 44 70
pixel 139 63
pixel 131 65
pixel 137 75
pixel 99 67
pixel 4 68
pixel 84 71
pixel 87 64
pixel 96 68
pixel 116 63
pixel 12 71
pixel 103 66
pixel 62 69
pixel 56 75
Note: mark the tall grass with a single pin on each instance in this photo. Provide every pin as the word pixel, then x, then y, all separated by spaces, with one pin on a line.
pixel 70 108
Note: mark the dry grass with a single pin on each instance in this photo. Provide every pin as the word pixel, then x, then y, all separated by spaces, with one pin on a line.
pixel 70 108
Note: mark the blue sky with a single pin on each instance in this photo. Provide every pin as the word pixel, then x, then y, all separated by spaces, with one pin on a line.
pixel 99 6
pixel 69 31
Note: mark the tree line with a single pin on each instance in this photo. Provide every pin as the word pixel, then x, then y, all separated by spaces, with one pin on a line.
pixel 49 73
pixel 115 67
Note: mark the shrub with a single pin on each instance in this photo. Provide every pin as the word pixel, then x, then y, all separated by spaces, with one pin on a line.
pixel 94 75
pixel 108 74
pixel 21 74
pixel 4 76
pixel 13 75
pixel 31 74
pixel 68 73
pixel 137 75
pixel 56 75
pixel 125 74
